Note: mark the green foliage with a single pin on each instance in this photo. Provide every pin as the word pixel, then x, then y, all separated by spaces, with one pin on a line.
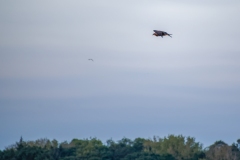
pixel 221 150
pixel 168 148
pixel 180 147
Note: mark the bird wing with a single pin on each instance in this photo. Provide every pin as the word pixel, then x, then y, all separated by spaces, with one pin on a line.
pixel 158 32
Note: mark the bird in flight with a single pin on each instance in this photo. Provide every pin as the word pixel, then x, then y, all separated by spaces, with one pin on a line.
pixel 161 33
pixel 90 59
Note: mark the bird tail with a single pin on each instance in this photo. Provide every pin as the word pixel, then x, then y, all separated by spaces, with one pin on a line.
pixel 170 35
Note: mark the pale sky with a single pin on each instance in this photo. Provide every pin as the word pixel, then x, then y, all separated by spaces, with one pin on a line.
pixel 138 85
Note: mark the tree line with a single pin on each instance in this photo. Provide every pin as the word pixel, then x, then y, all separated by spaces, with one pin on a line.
pixel 171 147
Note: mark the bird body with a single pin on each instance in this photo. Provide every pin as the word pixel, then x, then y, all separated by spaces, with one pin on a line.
pixel 90 59
pixel 161 33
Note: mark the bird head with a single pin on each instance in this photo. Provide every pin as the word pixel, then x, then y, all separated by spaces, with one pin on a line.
pixel 155 34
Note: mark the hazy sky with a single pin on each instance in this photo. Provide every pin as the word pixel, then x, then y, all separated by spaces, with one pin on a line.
pixel 138 85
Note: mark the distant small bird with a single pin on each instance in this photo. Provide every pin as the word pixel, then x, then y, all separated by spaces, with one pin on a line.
pixel 90 59
pixel 161 33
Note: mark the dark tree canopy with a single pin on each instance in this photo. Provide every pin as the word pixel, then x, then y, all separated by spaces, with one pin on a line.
pixel 168 148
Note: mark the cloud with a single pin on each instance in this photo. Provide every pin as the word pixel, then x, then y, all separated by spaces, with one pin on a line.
pixel 192 77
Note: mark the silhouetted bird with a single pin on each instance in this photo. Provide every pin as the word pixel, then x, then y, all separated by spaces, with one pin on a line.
pixel 90 59
pixel 161 33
